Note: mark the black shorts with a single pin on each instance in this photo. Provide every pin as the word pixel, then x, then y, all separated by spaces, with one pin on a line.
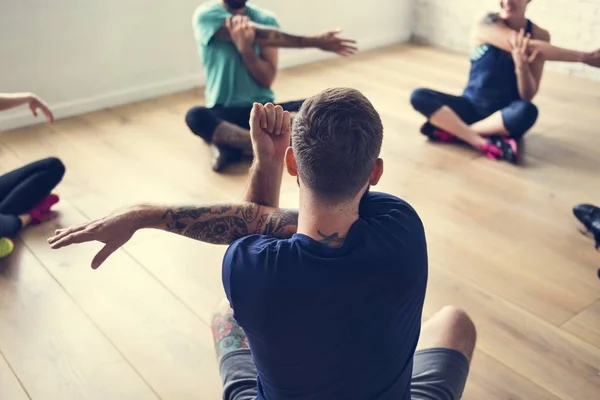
pixel 438 374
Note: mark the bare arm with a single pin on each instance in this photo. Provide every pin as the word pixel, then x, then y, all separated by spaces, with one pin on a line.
pixel 528 67
pixel 265 36
pixel 490 29
pixel 263 67
pixel 268 36
pixel 216 223
pixel 526 83
pixel 12 100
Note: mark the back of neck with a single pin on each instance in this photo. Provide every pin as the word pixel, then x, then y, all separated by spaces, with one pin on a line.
pixel 326 224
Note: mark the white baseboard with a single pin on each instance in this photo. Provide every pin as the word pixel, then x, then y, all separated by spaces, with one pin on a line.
pixel 139 93
pixel 106 100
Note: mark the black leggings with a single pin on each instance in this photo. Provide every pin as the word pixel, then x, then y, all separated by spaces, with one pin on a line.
pixel 518 117
pixel 23 188
pixel 203 121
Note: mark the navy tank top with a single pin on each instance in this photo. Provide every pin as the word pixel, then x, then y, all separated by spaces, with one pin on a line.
pixel 492 80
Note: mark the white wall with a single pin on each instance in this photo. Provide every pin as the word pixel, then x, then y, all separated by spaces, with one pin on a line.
pixel 574 24
pixel 87 55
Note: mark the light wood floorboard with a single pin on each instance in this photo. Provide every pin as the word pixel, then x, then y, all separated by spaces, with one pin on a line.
pixel 503 242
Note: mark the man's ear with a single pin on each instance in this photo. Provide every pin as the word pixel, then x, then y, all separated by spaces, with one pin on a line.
pixel 290 162
pixel 376 172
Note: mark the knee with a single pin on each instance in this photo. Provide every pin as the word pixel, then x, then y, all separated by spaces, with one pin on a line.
pixel 424 101
pixel 523 116
pixel 458 321
pixel 200 122
pixel 528 113
pixel 418 97
pixel 224 308
pixel 55 167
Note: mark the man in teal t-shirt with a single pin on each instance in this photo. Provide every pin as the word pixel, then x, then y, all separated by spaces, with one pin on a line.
pixel 238 43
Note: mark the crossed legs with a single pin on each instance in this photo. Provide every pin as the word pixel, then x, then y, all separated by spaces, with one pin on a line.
pixel 440 367
pixel 226 130
pixel 459 117
pixel 24 194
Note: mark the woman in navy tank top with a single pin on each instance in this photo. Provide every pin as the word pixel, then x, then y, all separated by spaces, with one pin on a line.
pixel 495 108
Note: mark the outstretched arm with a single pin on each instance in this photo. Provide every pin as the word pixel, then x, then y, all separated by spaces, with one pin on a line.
pixel 491 29
pixel 217 223
pixel 267 36
pixel 12 100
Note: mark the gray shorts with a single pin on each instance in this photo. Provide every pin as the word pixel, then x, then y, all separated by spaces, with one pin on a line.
pixel 438 374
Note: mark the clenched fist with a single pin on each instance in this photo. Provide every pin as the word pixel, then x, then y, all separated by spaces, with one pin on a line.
pixel 270 129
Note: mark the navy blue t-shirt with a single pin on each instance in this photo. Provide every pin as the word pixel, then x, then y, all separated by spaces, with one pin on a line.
pixel 329 323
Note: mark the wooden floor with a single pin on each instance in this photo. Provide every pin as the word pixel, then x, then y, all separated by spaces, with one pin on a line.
pixel 503 242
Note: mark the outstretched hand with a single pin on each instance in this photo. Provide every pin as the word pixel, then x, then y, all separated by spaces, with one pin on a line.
pixel 270 129
pixel 519 43
pixel 114 231
pixel 329 41
pixel 36 104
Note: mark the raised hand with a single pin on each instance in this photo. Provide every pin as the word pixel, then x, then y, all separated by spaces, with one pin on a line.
pixel 114 231
pixel 241 31
pixel 35 104
pixel 592 59
pixel 329 41
pixel 519 43
pixel 270 129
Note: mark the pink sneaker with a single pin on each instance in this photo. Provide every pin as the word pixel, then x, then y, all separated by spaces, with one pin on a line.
pixel 491 151
pixel 437 135
pixel 43 208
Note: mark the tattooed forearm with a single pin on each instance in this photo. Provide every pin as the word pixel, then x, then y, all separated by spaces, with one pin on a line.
pixel 223 224
pixel 220 230
pixel 271 37
pixel 194 212
pixel 260 225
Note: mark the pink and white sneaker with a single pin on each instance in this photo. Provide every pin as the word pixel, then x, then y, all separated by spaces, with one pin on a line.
pixel 41 211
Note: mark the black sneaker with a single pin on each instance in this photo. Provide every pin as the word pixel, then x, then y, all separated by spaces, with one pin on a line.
pixel 222 156
pixel 507 146
pixel 589 216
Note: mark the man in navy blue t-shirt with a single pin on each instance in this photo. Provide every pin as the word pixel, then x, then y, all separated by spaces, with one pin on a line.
pixel 324 303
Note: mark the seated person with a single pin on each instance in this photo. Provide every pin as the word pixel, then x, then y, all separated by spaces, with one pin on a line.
pixel 324 302
pixel 495 109
pixel 25 193
pixel 239 45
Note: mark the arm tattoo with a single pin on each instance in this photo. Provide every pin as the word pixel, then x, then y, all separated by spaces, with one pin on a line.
pixel 248 211
pixel 281 221
pixel 271 36
pixel 228 335
pixel 491 19
pixel 222 224
pixel 220 230
pixel 261 223
pixel 333 239
pixel 177 215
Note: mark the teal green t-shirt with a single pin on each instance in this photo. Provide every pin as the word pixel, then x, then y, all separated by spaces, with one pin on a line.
pixel 228 81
